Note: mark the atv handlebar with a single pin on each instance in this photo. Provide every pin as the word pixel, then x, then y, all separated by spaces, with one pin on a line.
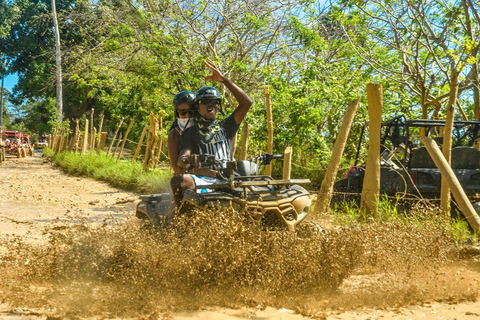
pixel 266 158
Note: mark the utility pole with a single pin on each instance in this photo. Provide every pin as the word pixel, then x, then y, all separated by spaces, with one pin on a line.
pixel 1 95
pixel 58 59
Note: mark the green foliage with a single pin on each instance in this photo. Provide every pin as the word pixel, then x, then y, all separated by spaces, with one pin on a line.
pixel 118 173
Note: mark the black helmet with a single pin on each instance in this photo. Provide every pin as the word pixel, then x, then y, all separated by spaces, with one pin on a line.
pixel 182 97
pixel 207 93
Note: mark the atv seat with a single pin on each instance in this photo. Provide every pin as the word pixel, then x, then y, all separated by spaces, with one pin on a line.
pixel 421 159
pixel 465 158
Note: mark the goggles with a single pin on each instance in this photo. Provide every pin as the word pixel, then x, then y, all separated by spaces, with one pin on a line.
pixel 186 111
pixel 210 100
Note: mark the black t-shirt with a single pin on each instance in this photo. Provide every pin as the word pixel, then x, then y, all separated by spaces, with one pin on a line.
pixel 218 142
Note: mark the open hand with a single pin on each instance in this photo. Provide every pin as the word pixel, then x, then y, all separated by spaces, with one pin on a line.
pixel 216 73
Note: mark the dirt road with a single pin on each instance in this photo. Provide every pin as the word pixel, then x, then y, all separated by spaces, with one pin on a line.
pixel 37 200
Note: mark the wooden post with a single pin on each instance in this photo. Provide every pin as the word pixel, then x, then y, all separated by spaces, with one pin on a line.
pixel 139 146
pixel 160 141
pixel 101 142
pixel 268 105
pixel 94 137
pixel 116 147
pixel 244 150
pixel 115 135
pixel 85 138
pixel 151 141
pixel 91 142
pixel 326 190
pixel 54 139
pixel 449 177
pixel 75 135
pixel 100 127
pixel 65 143
pixel 59 141
pixel 125 138
pixel 371 182
pixel 445 197
pixel 287 162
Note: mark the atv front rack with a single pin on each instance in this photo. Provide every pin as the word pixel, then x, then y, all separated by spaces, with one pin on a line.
pixel 251 184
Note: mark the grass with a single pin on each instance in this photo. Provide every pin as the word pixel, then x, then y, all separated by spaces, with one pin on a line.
pixel 419 215
pixel 122 174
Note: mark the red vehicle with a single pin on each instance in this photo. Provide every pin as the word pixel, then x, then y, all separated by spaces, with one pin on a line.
pixel 16 143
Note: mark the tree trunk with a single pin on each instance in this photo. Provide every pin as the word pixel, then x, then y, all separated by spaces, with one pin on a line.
pixel 268 105
pixel 449 177
pixel 371 182
pixel 326 190
pixel 58 60
pixel 447 137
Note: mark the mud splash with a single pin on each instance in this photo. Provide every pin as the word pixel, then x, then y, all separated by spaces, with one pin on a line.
pixel 220 258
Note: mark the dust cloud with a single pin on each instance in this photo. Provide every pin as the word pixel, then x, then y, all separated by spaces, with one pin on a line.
pixel 223 258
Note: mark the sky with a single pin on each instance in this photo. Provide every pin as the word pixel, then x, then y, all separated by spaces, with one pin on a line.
pixel 10 81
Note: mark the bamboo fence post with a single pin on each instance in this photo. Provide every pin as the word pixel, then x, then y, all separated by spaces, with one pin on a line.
pixel 160 142
pixel 65 143
pixel 326 190
pixel 268 105
pixel 139 146
pixel 118 144
pixel 115 135
pixel 449 176
pixel 125 138
pixel 92 141
pixel 243 151
pixel 100 127
pixel 75 135
pixel 58 140
pixel 85 139
pixel 371 182
pixel 92 135
pixel 54 139
pixel 287 162
pixel 101 141
pixel 445 197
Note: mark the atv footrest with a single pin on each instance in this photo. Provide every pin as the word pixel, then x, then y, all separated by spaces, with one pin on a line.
pixel 156 197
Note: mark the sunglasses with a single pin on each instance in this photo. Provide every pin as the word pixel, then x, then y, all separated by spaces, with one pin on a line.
pixel 185 111
pixel 212 101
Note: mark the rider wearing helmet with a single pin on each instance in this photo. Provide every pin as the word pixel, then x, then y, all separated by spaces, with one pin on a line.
pixel 208 135
pixel 183 102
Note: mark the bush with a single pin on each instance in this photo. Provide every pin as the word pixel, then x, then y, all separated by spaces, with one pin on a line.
pixel 122 174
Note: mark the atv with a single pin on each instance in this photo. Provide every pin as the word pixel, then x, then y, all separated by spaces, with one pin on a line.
pixel 406 166
pixel 275 202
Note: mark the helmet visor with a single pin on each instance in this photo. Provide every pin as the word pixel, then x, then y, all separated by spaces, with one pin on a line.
pixel 209 100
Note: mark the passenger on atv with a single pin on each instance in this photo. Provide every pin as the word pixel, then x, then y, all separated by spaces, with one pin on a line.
pixel 183 103
pixel 208 135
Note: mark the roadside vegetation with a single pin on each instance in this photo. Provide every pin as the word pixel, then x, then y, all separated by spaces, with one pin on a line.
pixel 122 174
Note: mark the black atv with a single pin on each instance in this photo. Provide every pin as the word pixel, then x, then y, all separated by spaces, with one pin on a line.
pixel 406 166
pixel 240 187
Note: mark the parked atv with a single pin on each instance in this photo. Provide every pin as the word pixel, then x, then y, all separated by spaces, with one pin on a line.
pixel 407 168
pixel 240 187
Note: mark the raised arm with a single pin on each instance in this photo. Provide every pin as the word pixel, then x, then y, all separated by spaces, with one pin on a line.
pixel 244 101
